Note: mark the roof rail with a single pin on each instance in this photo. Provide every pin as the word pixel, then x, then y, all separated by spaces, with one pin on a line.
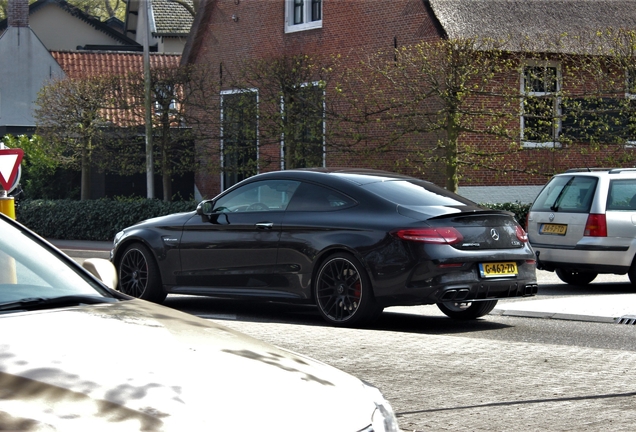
pixel 619 170
pixel 587 169
pixel 609 170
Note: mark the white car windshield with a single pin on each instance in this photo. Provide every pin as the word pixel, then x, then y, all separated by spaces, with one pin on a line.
pixel 28 270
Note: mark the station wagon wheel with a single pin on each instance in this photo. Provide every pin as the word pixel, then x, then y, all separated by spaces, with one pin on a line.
pixel 574 277
pixel 139 274
pixel 467 310
pixel 632 273
pixel 343 292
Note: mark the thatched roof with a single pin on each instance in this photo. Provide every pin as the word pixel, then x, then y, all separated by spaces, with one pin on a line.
pixel 533 25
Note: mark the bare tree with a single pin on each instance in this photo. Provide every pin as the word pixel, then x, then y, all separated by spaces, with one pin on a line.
pixel 102 9
pixel 72 118
pixel 436 102
pixel 173 139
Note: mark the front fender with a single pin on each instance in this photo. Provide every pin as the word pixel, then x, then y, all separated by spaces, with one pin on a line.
pixel 163 246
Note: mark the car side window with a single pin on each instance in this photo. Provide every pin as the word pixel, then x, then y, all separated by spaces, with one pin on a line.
pixel 311 197
pixel 267 195
pixel 622 195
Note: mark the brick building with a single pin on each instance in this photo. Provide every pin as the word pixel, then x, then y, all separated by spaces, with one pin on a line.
pixel 227 32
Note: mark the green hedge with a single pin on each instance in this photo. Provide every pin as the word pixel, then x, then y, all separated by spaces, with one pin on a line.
pixel 91 219
pixel 102 219
pixel 520 210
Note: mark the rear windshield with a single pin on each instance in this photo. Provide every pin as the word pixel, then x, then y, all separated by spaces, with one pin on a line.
pixel 570 194
pixel 416 193
pixel 622 195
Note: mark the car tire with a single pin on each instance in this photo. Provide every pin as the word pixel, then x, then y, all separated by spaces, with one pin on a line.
pixel 574 277
pixel 632 273
pixel 467 310
pixel 343 292
pixel 139 275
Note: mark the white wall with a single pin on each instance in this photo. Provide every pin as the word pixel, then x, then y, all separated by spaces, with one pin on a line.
pixel 25 67
pixel 60 31
pixel 500 194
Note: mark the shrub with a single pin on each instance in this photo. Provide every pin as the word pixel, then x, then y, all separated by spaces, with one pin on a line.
pixel 101 219
pixel 520 210
pixel 92 219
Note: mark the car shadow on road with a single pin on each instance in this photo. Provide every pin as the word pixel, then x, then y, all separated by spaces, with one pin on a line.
pixel 427 322
pixel 432 324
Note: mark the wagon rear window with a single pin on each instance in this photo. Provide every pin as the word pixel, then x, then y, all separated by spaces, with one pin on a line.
pixel 571 194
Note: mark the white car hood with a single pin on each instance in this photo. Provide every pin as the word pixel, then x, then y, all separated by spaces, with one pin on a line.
pixel 134 365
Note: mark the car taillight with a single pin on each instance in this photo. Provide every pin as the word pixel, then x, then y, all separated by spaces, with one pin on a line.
pixel 445 235
pixel 521 234
pixel 596 226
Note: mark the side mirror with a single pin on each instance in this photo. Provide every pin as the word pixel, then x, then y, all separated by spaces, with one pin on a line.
pixel 205 208
pixel 103 270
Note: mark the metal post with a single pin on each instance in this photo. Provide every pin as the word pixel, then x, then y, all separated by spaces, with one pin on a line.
pixel 7 203
pixel 150 174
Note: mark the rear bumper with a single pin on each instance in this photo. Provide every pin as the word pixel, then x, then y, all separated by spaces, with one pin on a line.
pixel 487 290
pixel 465 285
pixel 584 257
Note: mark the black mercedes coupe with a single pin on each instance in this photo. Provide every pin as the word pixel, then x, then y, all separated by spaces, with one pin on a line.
pixel 350 241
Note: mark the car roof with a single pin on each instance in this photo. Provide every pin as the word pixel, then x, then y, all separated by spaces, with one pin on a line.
pixel 359 176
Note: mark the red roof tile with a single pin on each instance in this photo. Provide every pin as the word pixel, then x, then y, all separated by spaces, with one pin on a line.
pixel 78 64
pixel 91 64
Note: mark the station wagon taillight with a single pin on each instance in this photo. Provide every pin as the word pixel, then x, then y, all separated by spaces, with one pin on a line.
pixel 596 226
pixel 445 235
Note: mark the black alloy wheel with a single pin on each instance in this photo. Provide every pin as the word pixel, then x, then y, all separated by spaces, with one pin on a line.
pixel 139 274
pixel 343 292
pixel 467 310
pixel 574 277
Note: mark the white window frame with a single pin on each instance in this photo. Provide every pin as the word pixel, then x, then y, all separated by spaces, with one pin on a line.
pixel 258 147
pixel 324 127
pixel 307 23
pixel 630 84
pixel 557 65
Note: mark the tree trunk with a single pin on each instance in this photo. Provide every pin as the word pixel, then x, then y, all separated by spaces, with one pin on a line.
pixel 85 192
pixel 167 187
pixel 452 136
pixel 166 178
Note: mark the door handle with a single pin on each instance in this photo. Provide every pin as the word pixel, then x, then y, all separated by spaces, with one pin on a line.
pixel 265 225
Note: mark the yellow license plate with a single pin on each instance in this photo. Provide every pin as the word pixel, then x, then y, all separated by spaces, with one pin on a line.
pixel 498 269
pixel 553 229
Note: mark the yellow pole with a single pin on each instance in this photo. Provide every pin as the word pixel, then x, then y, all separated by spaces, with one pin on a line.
pixel 8 273
pixel 7 205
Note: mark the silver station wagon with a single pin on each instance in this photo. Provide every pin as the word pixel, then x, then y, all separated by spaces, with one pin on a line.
pixel 583 223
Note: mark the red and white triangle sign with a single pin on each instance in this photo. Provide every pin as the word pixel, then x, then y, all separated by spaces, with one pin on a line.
pixel 10 160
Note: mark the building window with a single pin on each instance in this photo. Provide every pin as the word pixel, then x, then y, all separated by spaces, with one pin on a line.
pixel 540 107
pixel 303 140
pixel 239 136
pixel 302 15
pixel 630 118
pixel 630 83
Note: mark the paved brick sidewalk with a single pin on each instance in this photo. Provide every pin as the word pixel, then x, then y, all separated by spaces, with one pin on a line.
pixel 465 384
